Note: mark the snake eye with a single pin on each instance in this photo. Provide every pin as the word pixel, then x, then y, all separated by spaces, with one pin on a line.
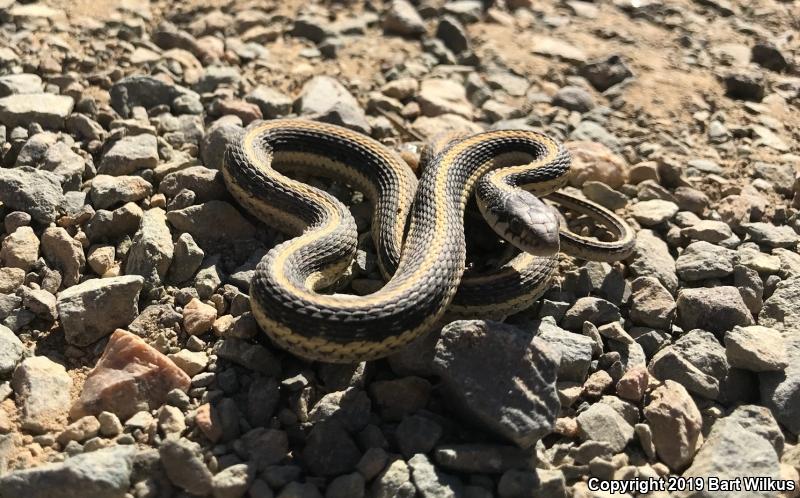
pixel 515 225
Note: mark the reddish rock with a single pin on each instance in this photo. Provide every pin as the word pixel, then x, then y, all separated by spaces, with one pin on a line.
pixel 246 111
pixel 208 423
pixel 198 317
pixel 633 383
pixel 594 161
pixel 130 376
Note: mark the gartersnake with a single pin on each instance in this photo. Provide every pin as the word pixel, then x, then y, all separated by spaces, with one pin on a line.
pixel 417 228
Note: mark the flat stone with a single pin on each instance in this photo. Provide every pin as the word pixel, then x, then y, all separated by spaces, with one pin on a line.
pixel 696 360
pixel 651 258
pixel 431 126
pixel 46 109
pixel 38 193
pixel 575 350
pixel 42 388
pixel 439 96
pixel 676 424
pixel 325 99
pixel 480 458
pixel 526 374
pixel 203 222
pixel 130 376
pixel 111 191
pixel 559 49
pixel 771 235
pixel 130 154
pixel 273 103
pixel 701 260
pixel 104 473
pixel 756 348
pixel 601 422
pixel 653 212
pixel 11 84
pixel 183 462
pixel 651 303
pixel 93 309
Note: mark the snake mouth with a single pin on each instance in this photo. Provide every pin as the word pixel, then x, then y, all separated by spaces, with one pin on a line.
pixel 526 222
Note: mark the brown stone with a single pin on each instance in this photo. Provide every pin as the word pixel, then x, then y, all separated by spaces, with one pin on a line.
pixel 207 421
pixel 676 423
pixel 594 161
pixel 633 383
pixel 198 317
pixel 130 376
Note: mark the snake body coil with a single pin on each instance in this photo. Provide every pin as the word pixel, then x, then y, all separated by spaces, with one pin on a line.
pixel 424 264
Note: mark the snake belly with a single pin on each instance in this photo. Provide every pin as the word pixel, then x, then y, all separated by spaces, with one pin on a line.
pixel 425 267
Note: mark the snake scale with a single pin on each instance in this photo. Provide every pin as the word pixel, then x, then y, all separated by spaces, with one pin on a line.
pixel 417 229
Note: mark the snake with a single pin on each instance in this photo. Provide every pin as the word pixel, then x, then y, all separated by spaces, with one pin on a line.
pixel 417 229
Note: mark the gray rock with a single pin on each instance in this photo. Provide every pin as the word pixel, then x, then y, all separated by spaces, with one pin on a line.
pixel 518 400
pixel 593 132
pixel 105 473
pixel 721 457
pixel 145 91
pixel 605 73
pixel 152 249
pixel 38 193
pixel 20 249
pixel 601 422
pixel 11 84
pixel 113 225
pixel 93 309
pixel 750 286
pixel 417 434
pixel 394 482
pixel 431 483
pixel 130 154
pixel 710 231
pixel 759 420
pixel 701 260
pixel 651 258
pixel 541 482
pixel 65 253
pixel 653 212
pixel 42 388
pixel 575 350
pixel 481 458
pixel 207 184
pixel 346 486
pixel 11 350
pixel 756 348
pixel 325 99
pixel 349 407
pixel 716 309
pixel 187 258
pixel 232 482
pixel 651 304
pixel 403 19
pixel 453 34
pixel 183 461
pixel 46 109
pixel 110 191
pixel 590 309
pixel 696 360
pixel 219 135
pixel 440 96
pixel 573 98
pixel 330 451
pixel 218 76
pixel 203 222
pixel 780 391
pixel 273 104
pixel 252 356
pixel 771 235
pixel 604 195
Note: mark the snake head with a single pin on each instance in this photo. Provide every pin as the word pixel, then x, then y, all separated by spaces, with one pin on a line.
pixel 525 221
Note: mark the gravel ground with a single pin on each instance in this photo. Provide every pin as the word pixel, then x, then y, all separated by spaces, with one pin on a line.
pixel 131 365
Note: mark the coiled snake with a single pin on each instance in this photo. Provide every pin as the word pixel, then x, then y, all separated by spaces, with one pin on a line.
pixel 417 229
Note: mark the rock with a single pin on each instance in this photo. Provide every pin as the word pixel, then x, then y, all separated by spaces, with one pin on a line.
pixel 438 96
pixel 16 219
pixel 589 131
pixel 676 424
pixel 575 350
pixel 716 309
pixel 745 85
pixel 198 317
pixel 444 123
pixel 46 109
pixel 403 19
pixel 653 212
pixel 325 99
pixel 273 104
pixel 82 429
pixel 191 362
pixel 453 34
pixel 721 457
pixel 394 482
pixel 605 73
pixel 20 249
pixel 11 350
pixel 219 135
pixel 108 226
pixel 110 426
pixel 35 192
pixel 40 302
pixel 710 231
pixel 590 309
pixel 601 422
pixel 481 458
pixel 401 89
pixel 701 260
pixel 771 235
pixel 780 391
pixel 92 309
pixel 756 348
pixel 651 304
pixel 232 482
pixel 42 388
pixel 10 279
pixel 573 98
pixel 397 398
pixel 330 451
pixel 129 377
pixel 768 56
pixel 110 191
pixel 696 360
pixel 633 383
pixel 11 84
pixel 252 356
pixel 144 91
pixel 130 154
pixel 346 486
pixel 350 408
pixel 527 381
pixel 151 252
pixel 104 473
pixel 430 482
pixel 604 195
pixel 187 258
pixel 65 253
pixel 183 462
pixel 596 162
pixel 558 49
pixel 417 434
pixel 201 222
